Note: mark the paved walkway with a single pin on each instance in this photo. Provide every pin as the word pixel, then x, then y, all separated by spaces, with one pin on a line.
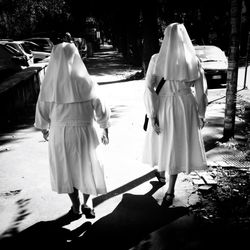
pixel 25 195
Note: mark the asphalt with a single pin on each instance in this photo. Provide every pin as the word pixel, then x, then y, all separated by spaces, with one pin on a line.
pixel 132 209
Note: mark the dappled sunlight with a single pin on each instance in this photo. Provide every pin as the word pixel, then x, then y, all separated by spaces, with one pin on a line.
pixel 210 140
pixel 215 122
pixel 21 214
pixel 109 66
pixel 118 76
pixel 215 95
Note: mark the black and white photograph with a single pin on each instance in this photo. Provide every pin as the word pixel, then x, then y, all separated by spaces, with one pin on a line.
pixel 125 125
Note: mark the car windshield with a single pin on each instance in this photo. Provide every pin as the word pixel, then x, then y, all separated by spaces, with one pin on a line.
pixel 12 50
pixel 210 54
pixel 25 48
pixel 32 46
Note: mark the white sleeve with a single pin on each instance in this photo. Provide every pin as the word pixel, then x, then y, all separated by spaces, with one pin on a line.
pixel 151 100
pixel 201 93
pixel 102 113
pixel 42 120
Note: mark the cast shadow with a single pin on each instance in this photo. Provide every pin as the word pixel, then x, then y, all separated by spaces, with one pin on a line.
pixel 131 221
pixel 192 232
pixel 45 234
pixel 22 118
pixel 22 213
pixel 101 198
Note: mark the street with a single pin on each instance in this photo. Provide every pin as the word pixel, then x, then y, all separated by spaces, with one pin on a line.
pixel 25 193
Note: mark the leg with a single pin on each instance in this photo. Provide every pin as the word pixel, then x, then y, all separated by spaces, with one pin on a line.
pixel 89 212
pixel 85 199
pixel 171 185
pixel 74 197
pixel 160 175
pixel 169 196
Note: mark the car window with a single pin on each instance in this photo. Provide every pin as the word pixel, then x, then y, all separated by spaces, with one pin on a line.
pixel 12 50
pixel 18 47
pixel 26 49
pixel 32 46
pixel 13 45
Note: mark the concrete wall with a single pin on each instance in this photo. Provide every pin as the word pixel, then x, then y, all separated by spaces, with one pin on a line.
pixel 19 91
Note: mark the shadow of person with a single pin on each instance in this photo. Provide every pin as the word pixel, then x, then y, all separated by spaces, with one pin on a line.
pixel 191 232
pixel 45 234
pixel 133 219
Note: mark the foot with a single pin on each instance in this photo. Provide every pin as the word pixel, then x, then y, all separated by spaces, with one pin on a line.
pixel 88 212
pixel 168 199
pixel 160 178
pixel 74 214
pixel 76 210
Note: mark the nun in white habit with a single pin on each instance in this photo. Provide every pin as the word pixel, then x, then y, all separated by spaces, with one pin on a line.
pixel 67 106
pixel 173 141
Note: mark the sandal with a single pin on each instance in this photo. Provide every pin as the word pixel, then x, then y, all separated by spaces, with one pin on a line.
pixel 160 178
pixel 168 199
pixel 88 212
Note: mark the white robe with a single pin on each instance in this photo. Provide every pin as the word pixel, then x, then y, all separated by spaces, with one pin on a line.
pixel 72 144
pixel 179 147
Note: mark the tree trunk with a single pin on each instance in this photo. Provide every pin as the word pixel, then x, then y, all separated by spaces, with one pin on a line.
pixel 150 32
pixel 232 74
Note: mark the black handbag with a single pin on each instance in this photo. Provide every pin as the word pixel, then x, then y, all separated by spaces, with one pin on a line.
pixel 157 91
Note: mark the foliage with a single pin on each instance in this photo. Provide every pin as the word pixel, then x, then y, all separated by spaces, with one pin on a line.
pixel 20 18
pixel 120 22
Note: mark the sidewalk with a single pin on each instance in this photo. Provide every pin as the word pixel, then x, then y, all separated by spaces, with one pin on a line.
pixel 26 198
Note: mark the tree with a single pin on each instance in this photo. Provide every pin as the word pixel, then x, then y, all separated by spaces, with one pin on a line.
pixel 232 74
pixel 19 19
pixel 150 32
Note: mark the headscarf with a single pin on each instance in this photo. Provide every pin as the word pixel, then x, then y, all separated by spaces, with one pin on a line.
pixel 66 79
pixel 177 59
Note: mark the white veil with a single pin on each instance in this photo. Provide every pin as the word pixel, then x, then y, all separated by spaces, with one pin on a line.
pixel 177 59
pixel 66 79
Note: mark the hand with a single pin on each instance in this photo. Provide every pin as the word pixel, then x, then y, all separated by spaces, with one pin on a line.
pixel 105 137
pixel 155 125
pixel 45 134
pixel 202 123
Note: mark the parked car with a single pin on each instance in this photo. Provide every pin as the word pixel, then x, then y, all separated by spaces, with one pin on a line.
pixel 19 47
pixel 213 61
pixel 44 42
pixel 36 50
pixel 11 61
pixel 45 60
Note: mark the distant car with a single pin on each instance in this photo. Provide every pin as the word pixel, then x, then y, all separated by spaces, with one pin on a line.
pixel 81 44
pixel 19 47
pixel 6 40
pixel 213 61
pixel 44 42
pixel 45 60
pixel 11 61
pixel 36 50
